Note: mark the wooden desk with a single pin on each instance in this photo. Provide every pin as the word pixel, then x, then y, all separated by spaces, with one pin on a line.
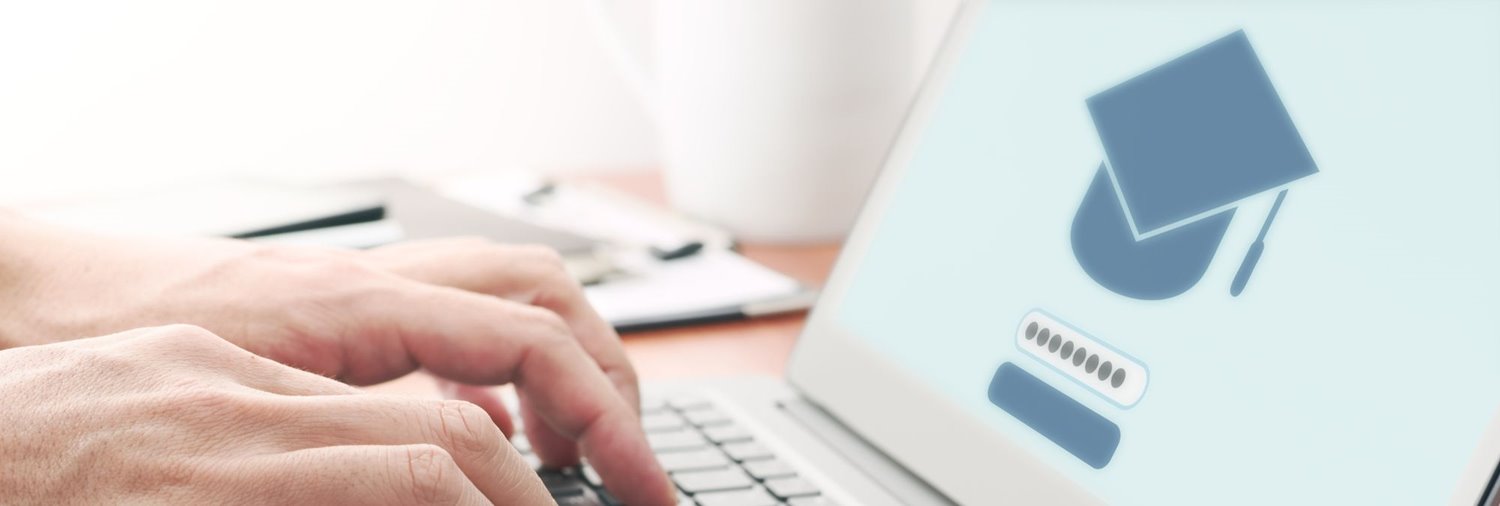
pixel 759 346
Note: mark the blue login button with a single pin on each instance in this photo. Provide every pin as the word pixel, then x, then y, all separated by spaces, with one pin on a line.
pixel 1062 420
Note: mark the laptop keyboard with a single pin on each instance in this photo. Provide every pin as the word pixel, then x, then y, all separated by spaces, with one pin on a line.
pixel 713 460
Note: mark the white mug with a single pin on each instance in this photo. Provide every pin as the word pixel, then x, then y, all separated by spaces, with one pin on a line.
pixel 774 115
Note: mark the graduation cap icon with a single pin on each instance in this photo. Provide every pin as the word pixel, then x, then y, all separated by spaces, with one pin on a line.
pixel 1184 143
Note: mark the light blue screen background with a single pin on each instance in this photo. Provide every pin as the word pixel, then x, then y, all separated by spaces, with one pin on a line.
pixel 1362 362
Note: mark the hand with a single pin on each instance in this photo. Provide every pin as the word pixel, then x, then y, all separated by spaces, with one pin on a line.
pixel 466 310
pixel 177 415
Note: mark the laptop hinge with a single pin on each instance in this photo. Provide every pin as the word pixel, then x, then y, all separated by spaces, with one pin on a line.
pixel 900 483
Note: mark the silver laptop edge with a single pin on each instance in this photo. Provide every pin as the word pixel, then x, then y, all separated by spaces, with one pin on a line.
pixel 851 470
pixel 792 419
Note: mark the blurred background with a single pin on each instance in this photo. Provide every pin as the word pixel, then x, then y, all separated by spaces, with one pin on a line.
pixel 108 94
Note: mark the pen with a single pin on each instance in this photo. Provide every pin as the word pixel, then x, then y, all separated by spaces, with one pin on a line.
pixel 801 301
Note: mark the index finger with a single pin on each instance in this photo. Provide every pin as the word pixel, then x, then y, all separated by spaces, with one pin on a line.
pixel 479 339
pixel 532 275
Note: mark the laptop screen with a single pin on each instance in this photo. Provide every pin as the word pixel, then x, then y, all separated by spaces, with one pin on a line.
pixel 1247 251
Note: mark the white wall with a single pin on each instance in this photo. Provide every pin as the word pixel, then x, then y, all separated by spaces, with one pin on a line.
pixel 98 93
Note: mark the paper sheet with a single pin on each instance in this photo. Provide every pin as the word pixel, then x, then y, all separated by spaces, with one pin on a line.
pixel 712 279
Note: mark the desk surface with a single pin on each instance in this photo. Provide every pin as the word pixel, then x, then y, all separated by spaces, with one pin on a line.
pixel 758 346
pixel 746 347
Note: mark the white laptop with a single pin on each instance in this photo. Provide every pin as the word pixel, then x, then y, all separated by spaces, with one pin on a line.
pixel 1155 253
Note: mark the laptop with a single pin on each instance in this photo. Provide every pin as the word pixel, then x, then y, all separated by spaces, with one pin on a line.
pixel 1158 253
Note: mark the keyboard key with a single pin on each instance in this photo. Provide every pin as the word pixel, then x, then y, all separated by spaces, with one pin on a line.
pixel 584 499
pixel 749 450
pixel 653 404
pixel 688 402
pixel 561 484
pixel 532 460
pixel 695 482
pixel 811 501
pixel 591 476
pixel 561 493
pixel 664 421
pixel 676 441
pixel 727 434
pixel 579 493
pixel 693 460
pixel 706 417
pixel 749 497
pixel 767 469
pixel 791 487
pixel 522 444
pixel 608 500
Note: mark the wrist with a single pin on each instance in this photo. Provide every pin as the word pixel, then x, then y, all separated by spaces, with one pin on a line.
pixel 19 278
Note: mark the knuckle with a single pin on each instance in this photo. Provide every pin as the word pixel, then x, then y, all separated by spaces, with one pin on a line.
pixel 432 475
pixel 551 326
pixel 467 427
pixel 554 348
pixel 627 377
pixel 182 332
pixel 183 337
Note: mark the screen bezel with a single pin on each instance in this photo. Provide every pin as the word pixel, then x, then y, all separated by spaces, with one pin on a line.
pixel 890 407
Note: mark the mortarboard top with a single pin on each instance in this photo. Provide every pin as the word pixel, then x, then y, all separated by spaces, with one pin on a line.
pixel 1196 134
